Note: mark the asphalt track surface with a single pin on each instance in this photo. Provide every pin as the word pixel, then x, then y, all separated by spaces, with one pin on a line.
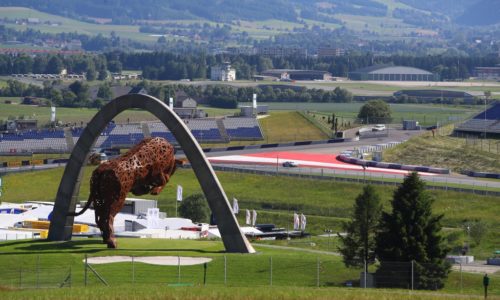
pixel 316 160
pixel 320 160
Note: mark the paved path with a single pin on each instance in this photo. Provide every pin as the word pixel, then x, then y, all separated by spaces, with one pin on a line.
pixel 296 249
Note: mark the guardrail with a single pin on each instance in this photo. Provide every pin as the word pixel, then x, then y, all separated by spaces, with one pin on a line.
pixel 359 179
pixel 384 165
pixel 482 174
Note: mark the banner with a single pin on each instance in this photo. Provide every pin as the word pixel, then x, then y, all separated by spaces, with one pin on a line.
pixel 254 101
pixel 296 221
pixel 254 217
pixel 179 193
pixel 171 102
pixel 53 114
pixel 247 219
pixel 303 222
pixel 236 207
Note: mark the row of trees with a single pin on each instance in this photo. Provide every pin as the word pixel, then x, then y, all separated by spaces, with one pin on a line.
pixel 77 94
pixel 408 233
pixel 170 66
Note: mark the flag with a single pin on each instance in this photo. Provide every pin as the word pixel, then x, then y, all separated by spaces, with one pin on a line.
pixel 254 217
pixel 247 220
pixel 171 102
pixel 254 101
pixel 303 222
pixel 52 114
pixel 179 193
pixel 236 207
pixel 296 221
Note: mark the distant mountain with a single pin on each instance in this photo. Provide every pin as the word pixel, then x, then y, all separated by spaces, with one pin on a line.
pixel 214 10
pixel 484 12
pixel 451 8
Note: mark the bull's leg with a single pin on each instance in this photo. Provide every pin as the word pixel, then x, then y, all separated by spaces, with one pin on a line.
pixel 111 240
pixel 114 209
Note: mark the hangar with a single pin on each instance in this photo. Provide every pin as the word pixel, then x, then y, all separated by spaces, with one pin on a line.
pixel 392 73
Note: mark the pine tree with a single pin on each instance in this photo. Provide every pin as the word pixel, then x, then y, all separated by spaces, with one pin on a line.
pixel 358 246
pixel 411 233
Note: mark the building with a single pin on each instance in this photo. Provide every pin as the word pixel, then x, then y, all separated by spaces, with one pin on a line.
pixel 486 123
pixel 487 73
pixel 186 107
pixel 432 95
pixel 290 74
pixel 241 50
pixel 223 72
pixel 392 73
pixel 331 52
pixel 282 51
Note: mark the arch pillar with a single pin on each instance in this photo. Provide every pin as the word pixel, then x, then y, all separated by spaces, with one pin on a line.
pixel 61 224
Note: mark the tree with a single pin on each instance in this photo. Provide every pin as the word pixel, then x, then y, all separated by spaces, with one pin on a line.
pixel 358 246
pixel 194 207
pixel 410 233
pixel 105 92
pixel 375 111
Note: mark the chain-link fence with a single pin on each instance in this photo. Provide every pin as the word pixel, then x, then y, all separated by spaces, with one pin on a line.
pixel 42 271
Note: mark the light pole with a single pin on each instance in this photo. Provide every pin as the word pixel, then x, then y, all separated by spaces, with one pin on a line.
pixel 329 231
pixel 487 94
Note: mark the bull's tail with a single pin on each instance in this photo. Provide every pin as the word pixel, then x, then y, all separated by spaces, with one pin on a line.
pixel 92 196
pixel 87 205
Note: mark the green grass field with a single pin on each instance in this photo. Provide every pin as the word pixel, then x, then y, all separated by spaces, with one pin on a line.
pixel 446 151
pixel 426 114
pixel 295 273
pixel 326 203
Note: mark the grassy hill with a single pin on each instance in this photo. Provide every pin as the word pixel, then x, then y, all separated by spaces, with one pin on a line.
pixel 326 203
pixel 295 274
pixel 445 151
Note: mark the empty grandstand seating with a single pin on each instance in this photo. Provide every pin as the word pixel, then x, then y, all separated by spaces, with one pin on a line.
pixel 34 140
pixel 479 124
pixel 243 128
pixel 126 135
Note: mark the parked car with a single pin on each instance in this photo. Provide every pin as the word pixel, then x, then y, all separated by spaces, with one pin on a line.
pixel 290 164
pixel 378 127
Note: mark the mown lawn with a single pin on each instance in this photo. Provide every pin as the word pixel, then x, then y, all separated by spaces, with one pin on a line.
pixel 326 203
pixel 27 265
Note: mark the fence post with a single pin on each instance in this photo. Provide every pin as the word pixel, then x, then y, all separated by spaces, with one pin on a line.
pixel 178 269
pixel 85 272
pixel 133 270
pixel 225 270
pixel 461 282
pixel 271 271
pixel 204 274
pixel 365 271
pixel 317 273
pixel 412 275
pixel 21 275
pixel 37 271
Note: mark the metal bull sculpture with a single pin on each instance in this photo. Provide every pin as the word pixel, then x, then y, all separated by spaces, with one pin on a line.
pixel 145 169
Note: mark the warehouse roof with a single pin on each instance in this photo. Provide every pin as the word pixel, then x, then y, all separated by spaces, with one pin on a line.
pixel 390 69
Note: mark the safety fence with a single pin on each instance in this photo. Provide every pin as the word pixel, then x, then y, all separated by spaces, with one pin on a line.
pixel 79 270
pixel 365 178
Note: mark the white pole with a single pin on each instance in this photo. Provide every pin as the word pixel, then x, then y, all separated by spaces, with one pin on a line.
pixel 412 275
pixel 225 270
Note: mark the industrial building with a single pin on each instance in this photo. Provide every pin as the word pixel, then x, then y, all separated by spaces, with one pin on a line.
pixel 223 72
pixel 290 74
pixel 447 96
pixel 487 73
pixel 392 73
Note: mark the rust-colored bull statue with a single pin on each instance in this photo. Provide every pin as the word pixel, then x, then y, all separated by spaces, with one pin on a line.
pixel 145 169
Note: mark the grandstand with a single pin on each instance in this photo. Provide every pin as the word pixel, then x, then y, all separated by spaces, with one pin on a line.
pixel 486 122
pixel 209 130
pixel 243 129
